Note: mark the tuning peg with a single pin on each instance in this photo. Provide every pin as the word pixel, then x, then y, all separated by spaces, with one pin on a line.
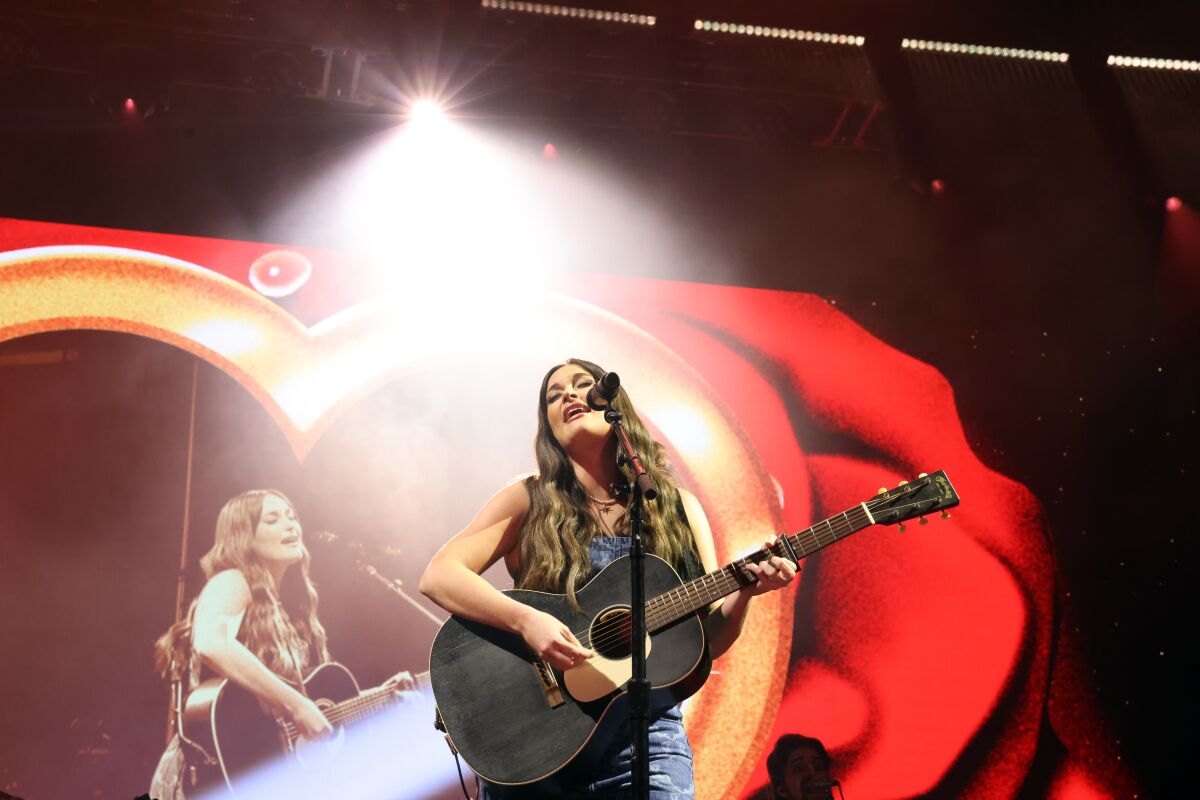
pixel 923 521
pixel 945 515
pixel 902 483
pixel 923 475
pixel 903 527
pixel 882 490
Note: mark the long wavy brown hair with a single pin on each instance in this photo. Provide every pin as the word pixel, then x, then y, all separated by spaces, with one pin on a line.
pixel 561 524
pixel 282 629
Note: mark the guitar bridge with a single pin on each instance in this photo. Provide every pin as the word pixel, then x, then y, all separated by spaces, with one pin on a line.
pixel 554 695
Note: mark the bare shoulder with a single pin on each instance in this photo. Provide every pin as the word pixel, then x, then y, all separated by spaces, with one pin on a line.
pixel 228 591
pixel 691 505
pixel 701 531
pixel 513 499
pixel 492 534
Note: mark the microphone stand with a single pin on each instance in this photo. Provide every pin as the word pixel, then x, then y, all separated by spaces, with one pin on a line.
pixel 639 684
pixel 394 585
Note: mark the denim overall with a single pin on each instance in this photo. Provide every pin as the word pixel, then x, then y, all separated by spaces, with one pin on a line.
pixel 612 779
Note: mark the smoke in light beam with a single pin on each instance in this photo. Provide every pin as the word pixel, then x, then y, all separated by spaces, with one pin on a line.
pixel 394 755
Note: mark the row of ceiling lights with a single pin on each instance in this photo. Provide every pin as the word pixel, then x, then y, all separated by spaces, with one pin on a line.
pixel 799 35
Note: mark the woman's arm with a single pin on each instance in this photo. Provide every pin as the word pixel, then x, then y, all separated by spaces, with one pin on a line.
pixel 453 580
pixel 724 624
pixel 219 610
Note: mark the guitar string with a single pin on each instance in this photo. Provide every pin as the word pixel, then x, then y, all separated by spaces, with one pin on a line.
pixel 364 702
pixel 353 709
pixel 379 696
pixel 724 580
pixel 683 599
pixel 673 601
pixel 692 595
pixel 678 602
pixel 723 577
pixel 350 710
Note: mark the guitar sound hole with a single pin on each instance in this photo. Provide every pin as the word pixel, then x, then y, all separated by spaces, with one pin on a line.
pixel 610 634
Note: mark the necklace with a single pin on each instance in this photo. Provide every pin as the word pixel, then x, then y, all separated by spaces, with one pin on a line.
pixel 605 505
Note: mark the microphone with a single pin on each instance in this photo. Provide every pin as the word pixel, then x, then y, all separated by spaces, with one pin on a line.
pixel 820 783
pixel 326 537
pixel 815 787
pixel 600 396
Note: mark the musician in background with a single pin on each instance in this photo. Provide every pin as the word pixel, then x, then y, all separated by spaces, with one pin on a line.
pixel 799 769
pixel 559 527
pixel 254 622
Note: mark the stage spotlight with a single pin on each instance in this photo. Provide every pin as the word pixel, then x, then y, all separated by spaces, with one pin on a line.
pixel 1173 204
pixel 424 112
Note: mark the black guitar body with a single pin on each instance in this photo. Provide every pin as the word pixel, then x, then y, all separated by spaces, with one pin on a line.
pixel 228 723
pixel 503 713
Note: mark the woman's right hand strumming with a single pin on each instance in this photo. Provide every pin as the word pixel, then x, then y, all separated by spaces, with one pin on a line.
pixel 309 720
pixel 551 640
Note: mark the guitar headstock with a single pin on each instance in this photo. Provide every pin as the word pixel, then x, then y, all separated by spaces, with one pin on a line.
pixel 924 495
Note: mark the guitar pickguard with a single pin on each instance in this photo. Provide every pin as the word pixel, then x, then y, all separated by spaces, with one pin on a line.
pixel 600 676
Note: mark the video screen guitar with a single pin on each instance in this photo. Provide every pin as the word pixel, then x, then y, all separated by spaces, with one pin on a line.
pixel 515 719
pixel 228 735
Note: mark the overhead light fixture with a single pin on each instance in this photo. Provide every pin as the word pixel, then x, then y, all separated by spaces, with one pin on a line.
pixel 570 12
pixel 984 50
pixel 768 32
pixel 1154 63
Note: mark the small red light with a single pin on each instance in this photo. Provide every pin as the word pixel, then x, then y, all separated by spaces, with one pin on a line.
pixel 130 106
pixel 936 186
pixel 550 151
pixel 1173 204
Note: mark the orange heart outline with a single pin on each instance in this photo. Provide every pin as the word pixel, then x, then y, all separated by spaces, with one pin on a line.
pixel 306 377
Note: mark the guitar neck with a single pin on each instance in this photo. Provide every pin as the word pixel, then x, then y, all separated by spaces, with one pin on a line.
pixel 696 594
pixel 361 707
pixel 364 704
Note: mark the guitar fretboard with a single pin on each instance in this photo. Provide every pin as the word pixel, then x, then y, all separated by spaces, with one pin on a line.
pixel 359 707
pixel 696 594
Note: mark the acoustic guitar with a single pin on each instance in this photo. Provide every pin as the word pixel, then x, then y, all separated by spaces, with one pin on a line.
pixel 227 733
pixel 516 720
